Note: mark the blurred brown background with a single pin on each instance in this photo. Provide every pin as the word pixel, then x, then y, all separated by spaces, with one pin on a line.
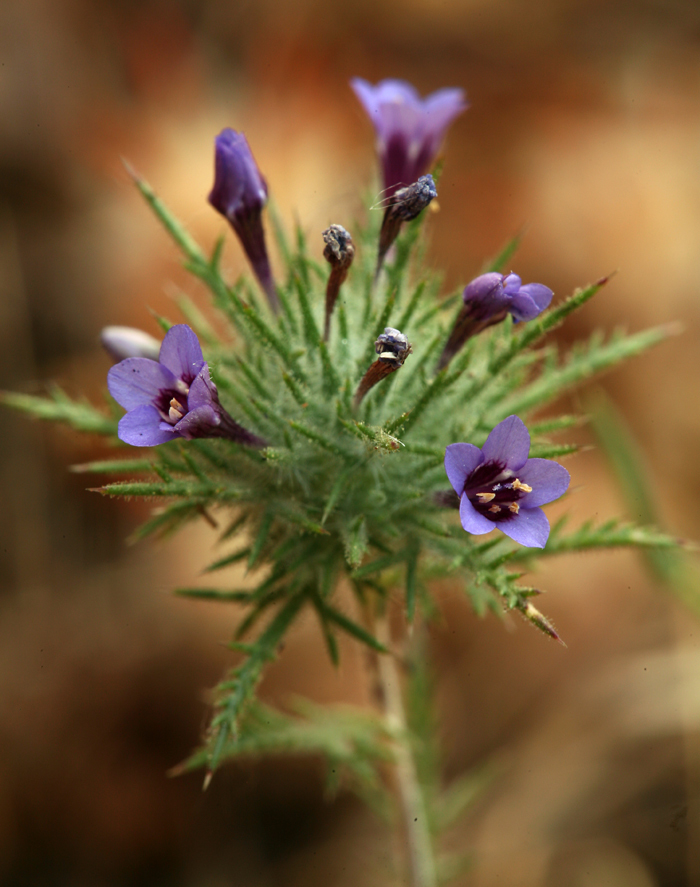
pixel 585 124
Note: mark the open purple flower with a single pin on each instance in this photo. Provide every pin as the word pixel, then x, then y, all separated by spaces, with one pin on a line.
pixel 499 485
pixel 409 129
pixel 172 397
pixel 487 300
pixel 240 194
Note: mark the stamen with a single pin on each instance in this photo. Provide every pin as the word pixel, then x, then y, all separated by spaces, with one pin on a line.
pixel 175 413
pixel 495 509
pixel 485 497
pixel 514 507
pixel 517 485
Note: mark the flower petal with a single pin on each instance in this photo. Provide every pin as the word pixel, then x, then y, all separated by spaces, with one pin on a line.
pixel 460 460
pixel 181 352
pixel 137 381
pixel 540 294
pixel 142 427
pixel 522 307
pixel 529 527
pixel 472 521
pixel 512 283
pixel 198 423
pixel 549 480
pixel 202 391
pixel 508 443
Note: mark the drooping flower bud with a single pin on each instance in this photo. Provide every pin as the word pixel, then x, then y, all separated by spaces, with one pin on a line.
pixel 339 253
pixel 240 194
pixel 393 348
pixel 409 129
pixel 405 205
pixel 121 342
pixel 487 301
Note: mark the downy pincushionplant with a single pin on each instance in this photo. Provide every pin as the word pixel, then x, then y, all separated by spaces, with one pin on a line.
pixel 353 430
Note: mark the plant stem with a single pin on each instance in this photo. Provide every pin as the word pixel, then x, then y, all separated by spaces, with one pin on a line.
pixel 419 847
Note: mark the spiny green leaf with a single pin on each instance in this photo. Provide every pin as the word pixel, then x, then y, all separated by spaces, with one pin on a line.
pixel 58 407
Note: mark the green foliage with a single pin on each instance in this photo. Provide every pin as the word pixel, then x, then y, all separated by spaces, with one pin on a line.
pixel 343 495
pixel 58 407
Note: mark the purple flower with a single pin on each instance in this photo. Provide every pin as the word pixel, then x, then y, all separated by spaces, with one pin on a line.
pixel 490 296
pixel 240 194
pixel 409 129
pixel 499 485
pixel 127 341
pixel 487 300
pixel 172 397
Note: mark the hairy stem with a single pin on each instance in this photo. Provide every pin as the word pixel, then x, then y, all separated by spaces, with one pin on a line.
pixel 418 841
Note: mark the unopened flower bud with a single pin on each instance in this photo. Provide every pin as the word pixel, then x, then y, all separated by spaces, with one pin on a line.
pixel 393 348
pixel 339 253
pixel 121 342
pixel 240 194
pixel 406 204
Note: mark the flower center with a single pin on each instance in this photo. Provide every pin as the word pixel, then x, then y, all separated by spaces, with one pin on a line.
pixel 494 491
pixel 172 405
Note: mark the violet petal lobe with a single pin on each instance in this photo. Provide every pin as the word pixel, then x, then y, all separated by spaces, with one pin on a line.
pixel 549 480
pixel 508 443
pixel 460 460
pixel 142 427
pixel 199 422
pixel 522 307
pixel 181 352
pixel 529 527
pixel 472 521
pixel 443 106
pixel 540 294
pixel 512 283
pixel 137 381
pixel 202 391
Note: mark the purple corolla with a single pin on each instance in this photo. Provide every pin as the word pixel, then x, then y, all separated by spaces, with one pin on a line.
pixel 487 301
pixel 498 485
pixel 172 396
pixel 409 129
pixel 490 296
pixel 240 195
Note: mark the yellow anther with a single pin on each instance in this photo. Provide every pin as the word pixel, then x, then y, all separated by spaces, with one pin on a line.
pixel 514 507
pixel 485 497
pixel 517 485
pixel 495 508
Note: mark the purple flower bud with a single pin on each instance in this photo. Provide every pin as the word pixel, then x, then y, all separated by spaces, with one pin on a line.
pixel 172 397
pixel 409 129
pixel 498 485
pixel 127 341
pixel 240 194
pixel 487 300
